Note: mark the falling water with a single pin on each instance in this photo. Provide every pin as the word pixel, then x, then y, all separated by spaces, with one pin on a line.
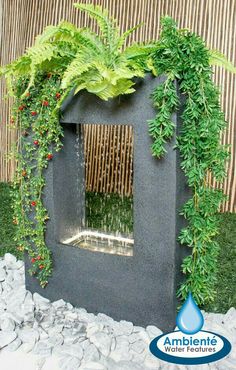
pixel 108 165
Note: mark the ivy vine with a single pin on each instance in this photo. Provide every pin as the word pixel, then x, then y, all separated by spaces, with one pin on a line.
pixel 65 58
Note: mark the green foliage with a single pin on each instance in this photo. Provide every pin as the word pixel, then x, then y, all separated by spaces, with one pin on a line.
pixel 7 228
pixel 219 59
pixel 110 211
pixel 65 58
pixel 182 55
pixel 37 118
pixel 226 274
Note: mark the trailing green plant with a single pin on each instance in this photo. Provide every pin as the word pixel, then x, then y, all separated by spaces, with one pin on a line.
pixel 63 58
pixel 66 58
pixel 182 56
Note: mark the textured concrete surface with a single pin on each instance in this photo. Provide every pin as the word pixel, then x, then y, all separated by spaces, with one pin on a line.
pixel 140 288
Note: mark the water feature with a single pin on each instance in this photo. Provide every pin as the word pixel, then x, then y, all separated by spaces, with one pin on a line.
pixel 107 225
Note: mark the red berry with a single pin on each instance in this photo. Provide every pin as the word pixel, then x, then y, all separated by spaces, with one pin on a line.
pixel 39 258
pixel 33 113
pixel 21 107
pixel 49 156
pixel 33 204
pixel 41 267
pixel 58 95
pixel 33 260
pixel 36 142
pixel 45 103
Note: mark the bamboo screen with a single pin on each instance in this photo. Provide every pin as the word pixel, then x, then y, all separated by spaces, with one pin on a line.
pixel 214 20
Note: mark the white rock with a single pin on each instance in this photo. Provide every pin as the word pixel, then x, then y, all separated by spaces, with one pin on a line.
pixel 7 324
pixel 3 275
pixel 139 346
pixel 153 331
pixel 56 340
pixel 69 363
pixel 125 365
pixel 59 304
pixel 121 354
pixel 92 365
pixel 71 316
pixel 152 362
pixel 14 316
pixel 56 329
pixel 28 335
pixel 13 346
pixel 27 347
pixel 123 328
pixel 9 259
pixel 91 353
pixel 42 349
pixel 103 342
pixel 93 328
pixel 20 264
pixel 74 350
pixel 7 337
pixel 40 363
pixel 39 300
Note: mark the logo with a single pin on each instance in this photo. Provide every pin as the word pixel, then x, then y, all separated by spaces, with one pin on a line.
pixel 190 345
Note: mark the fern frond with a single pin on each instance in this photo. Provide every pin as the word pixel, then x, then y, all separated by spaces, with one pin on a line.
pixel 107 25
pixel 126 34
pixel 219 59
pixel 80 64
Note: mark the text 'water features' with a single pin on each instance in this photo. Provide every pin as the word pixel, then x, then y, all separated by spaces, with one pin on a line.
pixel 108 169
pixel 190 319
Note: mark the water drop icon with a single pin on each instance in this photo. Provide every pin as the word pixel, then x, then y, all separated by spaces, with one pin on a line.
pixel 189 319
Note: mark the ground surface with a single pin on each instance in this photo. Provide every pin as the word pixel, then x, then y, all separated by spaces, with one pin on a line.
pixel 39 335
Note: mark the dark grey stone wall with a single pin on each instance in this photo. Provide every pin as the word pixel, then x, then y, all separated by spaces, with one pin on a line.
pixel 141 288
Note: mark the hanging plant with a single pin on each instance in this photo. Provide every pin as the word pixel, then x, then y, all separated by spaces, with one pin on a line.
pixel 65 58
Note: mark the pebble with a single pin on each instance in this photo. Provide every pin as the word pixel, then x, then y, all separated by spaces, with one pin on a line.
pixel 7 337
pixel 80 339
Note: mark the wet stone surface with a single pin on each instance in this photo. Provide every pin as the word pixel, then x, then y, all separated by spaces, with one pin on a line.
pixel 80 339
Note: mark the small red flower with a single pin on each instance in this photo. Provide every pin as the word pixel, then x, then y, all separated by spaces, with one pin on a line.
pixel 58 95
pixel 49 156
pixel 39 258
pixel 41 267
pixel 33 260
pixel 45 103
pixel 36 142
pixel 33 203
pixel 33 113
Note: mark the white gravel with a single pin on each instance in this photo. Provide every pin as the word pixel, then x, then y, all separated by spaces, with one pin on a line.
pixel 36 334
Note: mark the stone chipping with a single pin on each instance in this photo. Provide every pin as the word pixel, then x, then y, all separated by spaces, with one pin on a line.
pixel 82 340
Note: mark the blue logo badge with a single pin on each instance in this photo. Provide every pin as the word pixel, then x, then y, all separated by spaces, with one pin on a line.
pixel 190 345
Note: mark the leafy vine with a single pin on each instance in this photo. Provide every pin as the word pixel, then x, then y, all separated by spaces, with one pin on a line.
pixel 65 58
pixel 182 56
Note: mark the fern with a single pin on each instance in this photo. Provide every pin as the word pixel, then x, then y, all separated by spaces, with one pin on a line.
pixel 218 59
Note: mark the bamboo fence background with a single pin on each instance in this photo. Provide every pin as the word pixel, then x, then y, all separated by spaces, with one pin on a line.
pixel 214 20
